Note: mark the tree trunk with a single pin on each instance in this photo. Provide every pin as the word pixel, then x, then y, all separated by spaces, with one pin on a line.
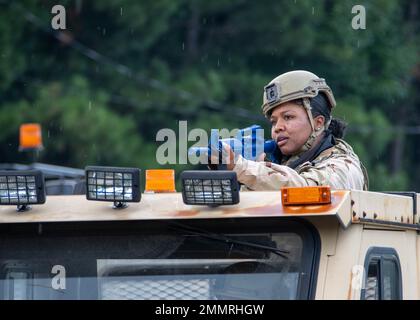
pixel 397 153
pixel 193 32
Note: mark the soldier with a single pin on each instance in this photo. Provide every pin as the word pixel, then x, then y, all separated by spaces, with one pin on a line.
pixel 310 149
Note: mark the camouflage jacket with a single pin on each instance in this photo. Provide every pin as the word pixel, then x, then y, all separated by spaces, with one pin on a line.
pixel 339 167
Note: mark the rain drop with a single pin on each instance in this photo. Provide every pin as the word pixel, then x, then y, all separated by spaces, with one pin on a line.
pixel 90 105
pixel 313 10
pixel 183 46
pixel 121 11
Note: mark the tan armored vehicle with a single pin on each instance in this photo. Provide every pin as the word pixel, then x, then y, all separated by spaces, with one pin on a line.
pixel 209 241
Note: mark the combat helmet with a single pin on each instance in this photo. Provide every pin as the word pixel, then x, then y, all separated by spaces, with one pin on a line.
pixel 293 85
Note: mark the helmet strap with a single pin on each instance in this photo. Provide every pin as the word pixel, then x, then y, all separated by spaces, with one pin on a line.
pixel 308 108
pixel 315 133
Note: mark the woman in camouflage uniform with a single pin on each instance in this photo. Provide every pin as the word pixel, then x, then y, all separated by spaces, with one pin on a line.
pixel 310 149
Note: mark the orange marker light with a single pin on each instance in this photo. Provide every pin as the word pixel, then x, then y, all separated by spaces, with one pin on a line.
pixel 306 195
pixel 160 180
pixel 30 136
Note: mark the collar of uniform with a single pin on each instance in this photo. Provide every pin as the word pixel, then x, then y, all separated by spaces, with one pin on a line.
pixel 326 143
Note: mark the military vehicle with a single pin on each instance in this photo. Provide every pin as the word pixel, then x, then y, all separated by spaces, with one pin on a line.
pixel 68 233
pixel 208 241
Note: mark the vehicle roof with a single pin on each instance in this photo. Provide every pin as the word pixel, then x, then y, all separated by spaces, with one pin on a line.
pixel 373 208
pixel 50 171
pixel 167 206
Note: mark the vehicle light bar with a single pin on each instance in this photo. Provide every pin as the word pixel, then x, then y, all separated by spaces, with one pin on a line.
pixel 212 188
pixel 306 195
pixel 112 184
pixel 22 188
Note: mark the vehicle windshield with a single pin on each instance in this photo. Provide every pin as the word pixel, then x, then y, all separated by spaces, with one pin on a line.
pixel 156 261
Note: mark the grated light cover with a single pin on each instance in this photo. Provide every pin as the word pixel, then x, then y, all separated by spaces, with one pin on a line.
pixel 210 188
pixel 22 187
pixel 113 184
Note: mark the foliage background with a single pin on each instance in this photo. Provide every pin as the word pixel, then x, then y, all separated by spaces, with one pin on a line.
pixel 124 69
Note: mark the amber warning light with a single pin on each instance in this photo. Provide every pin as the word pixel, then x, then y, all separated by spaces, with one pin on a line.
pixel 160 180
pixel 30 137
pixel 306 195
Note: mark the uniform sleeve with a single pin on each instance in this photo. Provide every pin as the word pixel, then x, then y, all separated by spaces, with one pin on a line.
pixel 337 173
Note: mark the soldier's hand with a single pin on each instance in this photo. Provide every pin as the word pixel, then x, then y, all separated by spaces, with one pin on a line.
pixel 228 157
pixel 261 157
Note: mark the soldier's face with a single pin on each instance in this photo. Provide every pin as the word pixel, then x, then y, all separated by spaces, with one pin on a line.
pixel 290 127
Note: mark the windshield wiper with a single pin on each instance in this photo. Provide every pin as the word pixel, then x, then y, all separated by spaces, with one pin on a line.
pixel 228 240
